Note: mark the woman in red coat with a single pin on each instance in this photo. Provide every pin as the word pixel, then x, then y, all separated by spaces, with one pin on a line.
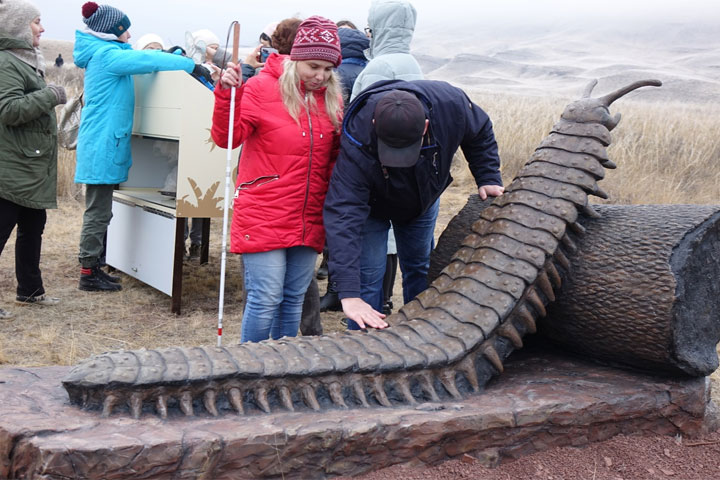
pixel 288 119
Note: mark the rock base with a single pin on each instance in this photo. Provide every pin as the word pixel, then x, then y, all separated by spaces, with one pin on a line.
pixel 542 400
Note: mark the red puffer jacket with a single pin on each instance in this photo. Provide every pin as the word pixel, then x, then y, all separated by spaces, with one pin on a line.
pixel 284 167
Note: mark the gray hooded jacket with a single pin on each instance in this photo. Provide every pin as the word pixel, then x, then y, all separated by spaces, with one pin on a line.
pixel 393 24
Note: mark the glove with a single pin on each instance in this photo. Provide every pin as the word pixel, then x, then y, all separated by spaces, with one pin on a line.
pixel 59 92
pixel 177 50
pixel 203 74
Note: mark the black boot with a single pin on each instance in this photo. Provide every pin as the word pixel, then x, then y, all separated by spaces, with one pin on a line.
pixel 94 280
pixel 322 272
pixel 387 307
pixel 108 277
pixel 330 301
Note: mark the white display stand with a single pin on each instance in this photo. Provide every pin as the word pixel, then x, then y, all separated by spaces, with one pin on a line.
pixel 177 173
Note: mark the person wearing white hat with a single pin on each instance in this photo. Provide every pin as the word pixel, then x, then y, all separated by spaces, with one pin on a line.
pixel 211 41
pixel 267 33
pixel 150 41
pixel 206 39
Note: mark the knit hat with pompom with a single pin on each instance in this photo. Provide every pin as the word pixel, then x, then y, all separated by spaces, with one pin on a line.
pixel 105 19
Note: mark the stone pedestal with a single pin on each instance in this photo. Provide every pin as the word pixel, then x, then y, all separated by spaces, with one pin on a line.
pixel 542 400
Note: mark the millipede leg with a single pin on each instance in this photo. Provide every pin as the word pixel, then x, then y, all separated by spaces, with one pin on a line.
pixel 379 391
pixel 186 404
pixel 310 397
pixel 136 401
pixel 235 396
pixel 209 398
pixel 108 405
pixel 161 406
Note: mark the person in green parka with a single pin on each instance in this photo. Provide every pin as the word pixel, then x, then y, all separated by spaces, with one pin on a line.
pixel 28 145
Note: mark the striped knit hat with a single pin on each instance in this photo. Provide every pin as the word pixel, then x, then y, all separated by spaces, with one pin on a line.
pixel 317 39
pixel 105 19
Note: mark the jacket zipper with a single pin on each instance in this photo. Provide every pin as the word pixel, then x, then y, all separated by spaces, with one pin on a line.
pixel 307 181
pixel 258 182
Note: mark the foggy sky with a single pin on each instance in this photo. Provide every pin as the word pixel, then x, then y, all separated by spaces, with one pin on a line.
pixel 171 19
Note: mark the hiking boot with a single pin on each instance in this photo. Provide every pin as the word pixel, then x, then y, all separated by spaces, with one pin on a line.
pixel 330 302
pixel 387 307
pixel 5 314
pixel 94 280
pixel 43 300
pixel 322 271
pixel 108 277
pixel 194 252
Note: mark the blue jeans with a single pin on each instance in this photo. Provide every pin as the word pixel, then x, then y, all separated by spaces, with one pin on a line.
pixel 414 240
pixel 276 282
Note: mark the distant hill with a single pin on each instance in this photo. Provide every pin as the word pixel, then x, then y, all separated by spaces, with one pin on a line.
pixel 561 60
pixel 51 48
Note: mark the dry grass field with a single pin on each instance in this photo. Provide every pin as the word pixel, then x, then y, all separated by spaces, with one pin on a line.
pixel 664 153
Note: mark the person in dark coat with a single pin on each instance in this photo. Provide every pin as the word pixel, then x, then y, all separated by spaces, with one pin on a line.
pixel 396 150
pixel 59 60
pixel 353 44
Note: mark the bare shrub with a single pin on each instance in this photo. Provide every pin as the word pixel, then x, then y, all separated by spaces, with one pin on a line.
pixel 666 153
pixel 70 77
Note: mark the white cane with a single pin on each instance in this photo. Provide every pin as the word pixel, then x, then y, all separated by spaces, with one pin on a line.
pixel 228 180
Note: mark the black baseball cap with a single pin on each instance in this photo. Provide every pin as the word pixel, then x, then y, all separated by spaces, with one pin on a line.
pixel 399 126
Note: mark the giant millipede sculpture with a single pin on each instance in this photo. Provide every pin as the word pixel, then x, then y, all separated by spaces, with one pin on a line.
pixel 446 343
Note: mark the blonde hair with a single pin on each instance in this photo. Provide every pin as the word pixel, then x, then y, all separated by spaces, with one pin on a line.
pixel 295 102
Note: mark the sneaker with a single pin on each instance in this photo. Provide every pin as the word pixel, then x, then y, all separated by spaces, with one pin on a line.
pixel 43 300
pixel 94 280
pixel 5 314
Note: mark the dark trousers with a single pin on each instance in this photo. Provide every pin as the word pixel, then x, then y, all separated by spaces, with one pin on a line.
pixel 30 226
pixel 98 212
pixel 389 278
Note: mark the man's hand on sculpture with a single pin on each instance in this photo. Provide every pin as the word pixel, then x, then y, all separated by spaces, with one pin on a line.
pixel 362 313
pixel 490 191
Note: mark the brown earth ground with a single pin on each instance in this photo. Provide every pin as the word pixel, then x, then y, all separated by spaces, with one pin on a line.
pixel 620 458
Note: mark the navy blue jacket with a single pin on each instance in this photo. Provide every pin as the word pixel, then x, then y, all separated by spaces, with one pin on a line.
pixel 360 186
pixel 352 44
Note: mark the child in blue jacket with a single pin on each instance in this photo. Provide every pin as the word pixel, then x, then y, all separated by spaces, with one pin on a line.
pixel 103 151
